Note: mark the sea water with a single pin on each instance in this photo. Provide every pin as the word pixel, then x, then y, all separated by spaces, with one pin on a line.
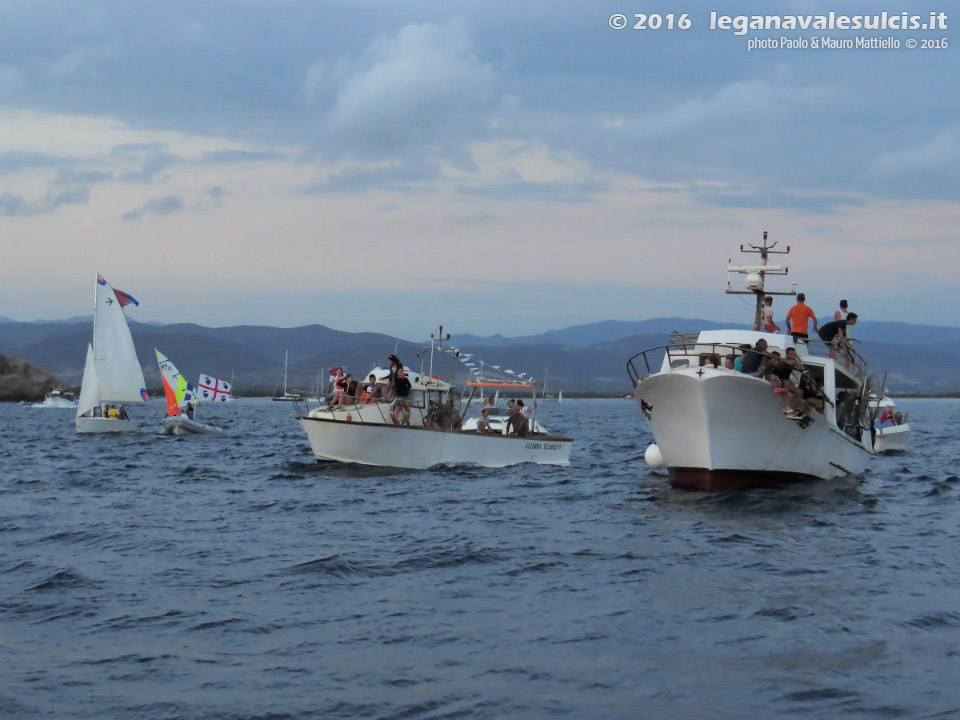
pixel 147 576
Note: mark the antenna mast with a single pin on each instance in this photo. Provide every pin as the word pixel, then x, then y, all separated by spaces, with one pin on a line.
pixel 757 274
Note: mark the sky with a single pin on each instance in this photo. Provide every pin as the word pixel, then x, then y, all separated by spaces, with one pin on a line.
pixel 492 167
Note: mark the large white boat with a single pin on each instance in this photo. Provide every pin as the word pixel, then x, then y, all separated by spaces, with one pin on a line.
pixel 111 374
pixel 716 428
pixel 364 432
pixel 891 428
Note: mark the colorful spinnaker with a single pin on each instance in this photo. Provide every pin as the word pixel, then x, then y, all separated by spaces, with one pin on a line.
pixel 212 389
pixel 176 388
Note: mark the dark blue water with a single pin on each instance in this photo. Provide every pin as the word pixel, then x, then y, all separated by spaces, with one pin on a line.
pixel 206 577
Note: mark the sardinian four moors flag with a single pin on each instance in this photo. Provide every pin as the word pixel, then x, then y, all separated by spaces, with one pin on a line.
pixel 213 390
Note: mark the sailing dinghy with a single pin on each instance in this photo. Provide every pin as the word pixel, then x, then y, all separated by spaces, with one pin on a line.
pixel 112 373
pixel 182 401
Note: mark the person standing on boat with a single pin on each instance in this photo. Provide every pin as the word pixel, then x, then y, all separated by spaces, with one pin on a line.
pixel 842 314
pixel 835 333
pixel 768 324
pixel 400 410
pixel 798 319
pixel 395 365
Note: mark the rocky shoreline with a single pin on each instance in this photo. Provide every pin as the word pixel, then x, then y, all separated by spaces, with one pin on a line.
pixel 21 381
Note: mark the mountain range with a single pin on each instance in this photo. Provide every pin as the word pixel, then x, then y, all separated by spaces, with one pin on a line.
pixel 590 358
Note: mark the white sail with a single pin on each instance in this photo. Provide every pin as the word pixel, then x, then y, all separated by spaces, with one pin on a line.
pixel 118 372
pixel 89 388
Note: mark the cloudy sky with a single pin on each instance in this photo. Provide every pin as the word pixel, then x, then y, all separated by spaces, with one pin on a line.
pixel 492 166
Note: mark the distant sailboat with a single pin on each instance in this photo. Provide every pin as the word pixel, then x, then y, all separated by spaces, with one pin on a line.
pixel 560 396
pixel 111 373
pixel 286 397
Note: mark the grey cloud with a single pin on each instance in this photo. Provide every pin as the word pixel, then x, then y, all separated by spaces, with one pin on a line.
pixel 561 192
pixel 16 161
pixel 242 156
pixel 158 206
pixel 70 176
pixel 151 166
pixel 821 204
pixel 415 88
pixel 14 205
pixel 408 177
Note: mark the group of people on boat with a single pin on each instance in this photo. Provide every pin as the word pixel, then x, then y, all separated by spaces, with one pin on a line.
pixel 343 389
pixel 835 333
pixel 518 422
pixel 111 412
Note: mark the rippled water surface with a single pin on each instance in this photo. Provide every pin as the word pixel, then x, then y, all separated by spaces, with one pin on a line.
pixel 147 576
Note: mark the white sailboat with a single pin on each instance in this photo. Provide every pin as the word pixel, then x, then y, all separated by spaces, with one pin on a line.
pixel 286 397
pixel 112 373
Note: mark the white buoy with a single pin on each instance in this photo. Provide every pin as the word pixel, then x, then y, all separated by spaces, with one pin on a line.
pixel 653 456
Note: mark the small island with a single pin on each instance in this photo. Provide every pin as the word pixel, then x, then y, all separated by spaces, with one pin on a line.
pixel 21 381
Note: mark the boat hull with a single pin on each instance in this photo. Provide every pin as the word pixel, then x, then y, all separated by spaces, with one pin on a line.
pixel 104 425
pixel 421 448
pixel 722 430
pixel 892 439
pixel 181 425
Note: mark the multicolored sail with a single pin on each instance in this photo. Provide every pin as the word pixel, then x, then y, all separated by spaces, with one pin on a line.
pixel 175 387
pixel 212 389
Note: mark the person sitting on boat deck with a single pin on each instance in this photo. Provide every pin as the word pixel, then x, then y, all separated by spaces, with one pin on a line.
pixel 488 402
pixel 400 409
pixel 738 360
pixel 835 333
pixel 728 362
pixel 189 410
pixel 798 320
pixel 371 391
pixel 813 395
pixel 351 392
pixel 517 423
pixel 483 423
pixel 122 413
pixel 112 412
pixel 331 384
pixel 888 418
pixel 753 359
pixel 768 324
pixel 779 373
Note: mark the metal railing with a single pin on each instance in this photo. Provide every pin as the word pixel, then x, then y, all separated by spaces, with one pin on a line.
pixel 682 350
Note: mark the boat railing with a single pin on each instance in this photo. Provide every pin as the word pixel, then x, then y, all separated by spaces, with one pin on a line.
pixel 846 358
pixel 678 354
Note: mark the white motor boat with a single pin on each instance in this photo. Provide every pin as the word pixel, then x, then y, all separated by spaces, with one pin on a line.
pixel 111 374
pixel 59 399
pixel 364 432
pixel 891 428
pixel 716 428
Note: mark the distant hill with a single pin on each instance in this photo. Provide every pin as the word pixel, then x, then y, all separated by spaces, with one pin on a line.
pixel 589 357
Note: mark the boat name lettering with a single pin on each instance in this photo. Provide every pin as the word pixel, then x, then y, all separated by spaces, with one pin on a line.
pixel 542 446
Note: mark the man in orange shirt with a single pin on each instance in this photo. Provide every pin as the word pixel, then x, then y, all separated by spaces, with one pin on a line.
pixel 798 317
